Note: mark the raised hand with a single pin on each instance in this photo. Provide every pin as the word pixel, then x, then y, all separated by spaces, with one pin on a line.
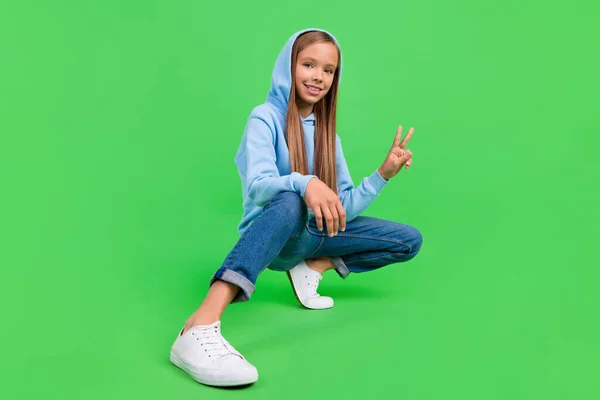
pixel 398 155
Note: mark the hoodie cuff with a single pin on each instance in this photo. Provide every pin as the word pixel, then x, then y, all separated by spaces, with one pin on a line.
pixel 376 182
pixel 299 182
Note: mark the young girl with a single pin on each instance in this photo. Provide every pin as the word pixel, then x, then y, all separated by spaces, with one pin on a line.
pixel 301 209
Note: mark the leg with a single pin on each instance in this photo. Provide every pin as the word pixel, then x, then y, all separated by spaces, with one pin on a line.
pixel 304 273
pixel 219 296
pixel 320 264
pixel 200 349
pixel 283 218
pixel 367 244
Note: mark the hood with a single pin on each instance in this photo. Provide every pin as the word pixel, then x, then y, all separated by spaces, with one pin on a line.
pixel 281 80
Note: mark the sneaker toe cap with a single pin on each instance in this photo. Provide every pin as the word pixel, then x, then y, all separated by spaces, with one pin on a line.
pixel 236 371
pixel 319 303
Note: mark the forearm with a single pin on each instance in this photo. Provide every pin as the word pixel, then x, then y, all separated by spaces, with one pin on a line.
pixel 356 200
pixel 263 188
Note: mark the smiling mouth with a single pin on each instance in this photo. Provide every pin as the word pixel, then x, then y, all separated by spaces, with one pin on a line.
pixel 313 89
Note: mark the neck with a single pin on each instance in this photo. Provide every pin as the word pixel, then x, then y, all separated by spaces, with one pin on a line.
pixel 304 109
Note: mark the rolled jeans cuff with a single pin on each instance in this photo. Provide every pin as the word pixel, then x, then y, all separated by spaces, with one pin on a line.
pixel 246 287
pixel 340 267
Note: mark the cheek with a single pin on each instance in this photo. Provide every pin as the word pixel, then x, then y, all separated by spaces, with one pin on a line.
pixel 329 84
pixel 300 75
pixel 299 84
pixel 300 80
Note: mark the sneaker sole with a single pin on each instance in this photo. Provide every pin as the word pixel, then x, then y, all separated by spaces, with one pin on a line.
pixel 214 380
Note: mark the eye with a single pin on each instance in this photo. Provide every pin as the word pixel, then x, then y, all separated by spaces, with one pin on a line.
pixel 307 65
pixel 329 71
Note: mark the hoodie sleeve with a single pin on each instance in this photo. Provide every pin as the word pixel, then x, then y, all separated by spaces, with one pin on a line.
pixel 262 176
pixel 355 200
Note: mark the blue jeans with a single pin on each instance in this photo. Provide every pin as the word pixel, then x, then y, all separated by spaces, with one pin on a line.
pixel 282 236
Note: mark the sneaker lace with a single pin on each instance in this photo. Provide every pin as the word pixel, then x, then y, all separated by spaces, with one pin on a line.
pixel 212 342
pixel 315 285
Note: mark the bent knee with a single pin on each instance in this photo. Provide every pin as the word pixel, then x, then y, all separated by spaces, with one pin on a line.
pixel 409 242
pixel 291 202
pixel 289 198
pixel 414 241
pixel 291 207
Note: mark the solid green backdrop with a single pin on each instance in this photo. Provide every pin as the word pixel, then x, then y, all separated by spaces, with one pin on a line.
pixel 119 122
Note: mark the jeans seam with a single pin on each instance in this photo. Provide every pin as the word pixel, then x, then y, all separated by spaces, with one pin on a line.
pixel 378 238
pixel 318 246
pixel 298 235
pixel 380 257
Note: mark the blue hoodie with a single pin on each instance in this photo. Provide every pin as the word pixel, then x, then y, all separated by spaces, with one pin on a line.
pixel 263 159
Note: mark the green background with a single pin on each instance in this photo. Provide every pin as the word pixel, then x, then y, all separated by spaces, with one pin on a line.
pixel 119 123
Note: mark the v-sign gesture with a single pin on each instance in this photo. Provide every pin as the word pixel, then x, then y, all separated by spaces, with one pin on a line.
pixel 398 155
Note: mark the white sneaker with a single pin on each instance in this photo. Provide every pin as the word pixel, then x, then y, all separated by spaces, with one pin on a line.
pixel 207 357
pixel 305 282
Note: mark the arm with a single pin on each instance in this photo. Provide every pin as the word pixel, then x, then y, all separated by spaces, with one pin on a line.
pixel 355 200
pixel 262 176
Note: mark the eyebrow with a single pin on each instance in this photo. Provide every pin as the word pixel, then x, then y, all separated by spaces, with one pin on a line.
pixel 313 60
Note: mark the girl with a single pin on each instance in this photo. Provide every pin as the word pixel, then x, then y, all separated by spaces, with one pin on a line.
pixel 296 186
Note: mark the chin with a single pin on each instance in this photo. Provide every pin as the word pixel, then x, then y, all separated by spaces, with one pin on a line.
pixel 312 101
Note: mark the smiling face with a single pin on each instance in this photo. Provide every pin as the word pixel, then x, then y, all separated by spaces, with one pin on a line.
pixel 315 69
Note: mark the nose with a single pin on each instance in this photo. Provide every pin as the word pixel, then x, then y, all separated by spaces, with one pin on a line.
pixel 318 76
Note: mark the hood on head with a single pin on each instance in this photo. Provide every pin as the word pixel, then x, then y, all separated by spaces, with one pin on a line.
pixel 281 80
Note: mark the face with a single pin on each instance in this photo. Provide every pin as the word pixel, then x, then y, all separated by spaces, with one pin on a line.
pixel 315 68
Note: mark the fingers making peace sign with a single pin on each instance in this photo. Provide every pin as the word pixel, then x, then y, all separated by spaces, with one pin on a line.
pixel 398 156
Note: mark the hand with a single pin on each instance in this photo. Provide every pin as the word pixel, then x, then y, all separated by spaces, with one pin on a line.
pixel 398 156
pixel 325 203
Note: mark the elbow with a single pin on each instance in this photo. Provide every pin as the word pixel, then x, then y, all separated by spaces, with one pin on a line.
pixel 256 194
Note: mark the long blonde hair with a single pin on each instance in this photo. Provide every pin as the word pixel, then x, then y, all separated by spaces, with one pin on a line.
pixel 325 117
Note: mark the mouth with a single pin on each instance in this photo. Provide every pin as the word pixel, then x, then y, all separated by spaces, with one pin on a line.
pixel 313 89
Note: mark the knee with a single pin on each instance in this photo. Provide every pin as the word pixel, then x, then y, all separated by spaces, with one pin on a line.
pixel 415 241
pixel 412 240
pixel 290 208
pixel 290 203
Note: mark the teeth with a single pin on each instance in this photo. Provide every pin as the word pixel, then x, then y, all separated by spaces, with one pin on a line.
pixel 313 88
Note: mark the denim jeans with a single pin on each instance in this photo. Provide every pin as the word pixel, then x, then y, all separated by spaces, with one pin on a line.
pixel 282 236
